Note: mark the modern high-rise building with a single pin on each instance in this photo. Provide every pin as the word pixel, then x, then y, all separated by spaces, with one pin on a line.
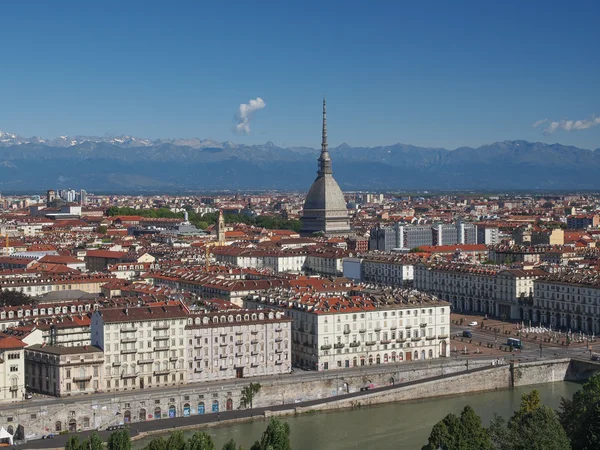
pixel 325 207
pixel 413 236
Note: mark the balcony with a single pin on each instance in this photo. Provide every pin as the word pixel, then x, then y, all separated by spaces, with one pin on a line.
pixel 128 330
pixel 129 351
pixel 254 352
pixel 173 358
pixel 326 347
pixel 161 349
pixel 278 362
pixel 408 326
pixel 84 378
pixel 278 339
pixel 128 340
pixel 254 364
pixel 161 338
pixel 197 346
pixel 430 338
pixel 13 388
pixel 223 344
pixel 239 342
pixel 254 341
pixel 239 333
pixel 254 332
pixel 416 339
pixel 370 343
pixel 145 361
pixel 393 327
pixel 377 329
pixel 423 325
pixel 386 341
pixel 278 330
pixel 197 370
pixel 197 358
pixel 223 356
pixel 400 340
pixel 354 344
pixel 161 327
pixel 362 330
pixel 443 336
pixel 223 333
pixel 116 364
pixel 162 372
pixel 129 375
pixel 278 350
pixel 339 345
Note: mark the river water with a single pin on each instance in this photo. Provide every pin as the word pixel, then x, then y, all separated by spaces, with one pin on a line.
pixel 404 425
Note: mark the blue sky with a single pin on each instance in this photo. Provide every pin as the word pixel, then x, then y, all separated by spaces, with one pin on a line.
pixel 425 73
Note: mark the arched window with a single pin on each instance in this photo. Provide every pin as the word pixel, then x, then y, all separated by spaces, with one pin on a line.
pixel 142 415
pixel 157 413
pixel 58 426
pixel 430 354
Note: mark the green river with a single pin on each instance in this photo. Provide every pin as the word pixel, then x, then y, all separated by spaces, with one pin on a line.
pixel 404 425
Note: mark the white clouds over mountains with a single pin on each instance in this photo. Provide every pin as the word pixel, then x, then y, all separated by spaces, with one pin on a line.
pixel 567 125
pixel 245 112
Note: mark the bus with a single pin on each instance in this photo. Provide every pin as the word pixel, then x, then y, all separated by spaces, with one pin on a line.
pixel 514 343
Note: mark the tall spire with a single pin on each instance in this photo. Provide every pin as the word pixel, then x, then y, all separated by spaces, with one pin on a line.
pixel 324 159
pixel 324 139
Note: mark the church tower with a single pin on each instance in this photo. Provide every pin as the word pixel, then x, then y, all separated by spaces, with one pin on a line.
pixel 325 207
pixel 221 228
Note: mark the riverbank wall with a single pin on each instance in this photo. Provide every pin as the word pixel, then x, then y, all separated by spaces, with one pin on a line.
pixel 285 395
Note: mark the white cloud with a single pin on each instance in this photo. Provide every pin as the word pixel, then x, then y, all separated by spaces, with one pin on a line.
pixel 245 112
pixel 567 125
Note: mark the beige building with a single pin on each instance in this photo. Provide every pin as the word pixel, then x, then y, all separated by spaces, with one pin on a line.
pixel 238 344
pixel 567 300
pixel 143 346
pixel 341 331
pixel 493 290
pixel 12 369
pixel 64 371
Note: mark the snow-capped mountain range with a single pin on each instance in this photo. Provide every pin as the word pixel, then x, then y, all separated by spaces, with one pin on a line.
pixel 11 139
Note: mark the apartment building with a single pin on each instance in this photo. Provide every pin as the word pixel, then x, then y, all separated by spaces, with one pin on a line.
pixel 64 371
pixel 390 270
pixel 12 369
pixel 143 346
pixel 339 331
pixel 237 344
pixel 35 285
pixel 493 290
pixel 44 313
pixel 566 300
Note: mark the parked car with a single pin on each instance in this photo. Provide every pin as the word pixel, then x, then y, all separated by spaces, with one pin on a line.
pixel 472 324
pixel 467 334
pixel 28 396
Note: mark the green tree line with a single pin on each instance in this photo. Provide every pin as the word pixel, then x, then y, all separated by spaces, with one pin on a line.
pixel 576 426
pixel 275 437
pixel 202 221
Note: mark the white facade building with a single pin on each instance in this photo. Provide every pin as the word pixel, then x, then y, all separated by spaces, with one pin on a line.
pixel 332 332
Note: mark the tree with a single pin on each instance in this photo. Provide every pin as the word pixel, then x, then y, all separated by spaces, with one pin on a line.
pixel 14 298
pixel 73 443
pixel 200 441
pixel 156 444
pixel 580 416
pixel 95 442
pixel 248 394
pixel 102 229
pixel 532 427
pixel 459 433
pixel 119 440
pixel 275 437
pixel 176 441
pixel 230 445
